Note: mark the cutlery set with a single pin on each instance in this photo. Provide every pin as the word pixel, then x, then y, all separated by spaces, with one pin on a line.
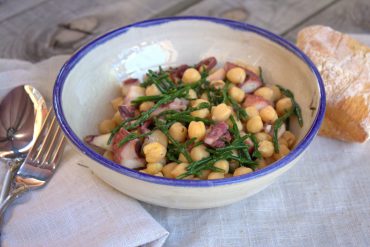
pixel 31 143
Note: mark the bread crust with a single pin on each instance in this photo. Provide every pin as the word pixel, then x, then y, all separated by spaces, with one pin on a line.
pixel 344 64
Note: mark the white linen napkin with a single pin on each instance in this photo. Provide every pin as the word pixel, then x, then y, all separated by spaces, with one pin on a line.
pixel 75 208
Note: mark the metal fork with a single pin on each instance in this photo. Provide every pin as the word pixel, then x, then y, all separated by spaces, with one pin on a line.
pixel 40 163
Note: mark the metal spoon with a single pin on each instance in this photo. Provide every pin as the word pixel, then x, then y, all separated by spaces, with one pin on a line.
pixel 22 113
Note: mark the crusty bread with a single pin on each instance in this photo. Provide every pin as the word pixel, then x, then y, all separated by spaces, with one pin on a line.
pixel 344 65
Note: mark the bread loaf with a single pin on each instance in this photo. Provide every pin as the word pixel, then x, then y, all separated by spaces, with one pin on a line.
pixel 344 65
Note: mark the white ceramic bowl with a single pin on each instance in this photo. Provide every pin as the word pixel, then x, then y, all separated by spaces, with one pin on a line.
pixel 89 80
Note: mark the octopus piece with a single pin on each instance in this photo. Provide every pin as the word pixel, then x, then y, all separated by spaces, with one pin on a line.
pixel 207 64
pixel 256 101
pixel 218 135
pixel 252 80
pixel 127 111
pixel 176 105
pixel 268 128
pixel 217 75
pixel 126 84
pixel 177 72
pixel 250 144
pixel 127 155
pixel 100 141
pixel 144 127
pixel 133 92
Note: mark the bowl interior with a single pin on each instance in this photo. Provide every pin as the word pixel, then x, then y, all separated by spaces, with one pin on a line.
pixel 96 73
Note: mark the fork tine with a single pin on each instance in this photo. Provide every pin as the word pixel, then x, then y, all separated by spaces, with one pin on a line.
pixel 41 135
pixel 39 148
pixel 59 151
pixel 51 145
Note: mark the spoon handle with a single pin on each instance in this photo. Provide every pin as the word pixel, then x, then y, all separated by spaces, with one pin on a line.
pixel 8 201
pixel 10 198
pixel 12 167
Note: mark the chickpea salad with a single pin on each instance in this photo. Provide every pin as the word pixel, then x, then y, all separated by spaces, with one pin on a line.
pixel 199 121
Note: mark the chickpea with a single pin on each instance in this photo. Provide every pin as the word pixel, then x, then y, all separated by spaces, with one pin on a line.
pixel 236 93
pixel 204 96
pixel 282 141
pixel 196 130
pixel 159 174
pixel 145 106
pixel 283 105
pixel 268 114
pixel 262 136
pixel 215 175
pixel 167 169
pixel 238 122
pixel 199 152
pixel 266 148
pixel 221 112
pixel 163 161
pixel 107 126
pixel 191 76
pixel 218 84
pixel 192 94
pixel 117 118
pixel 144 171
pixel 182 158
pixel 254 124
pixel 202 113
pixel 252 111
pixel 242 170
pixel 290 138
pixel 195 103
pixel 154 152
pixel 222 164
pixel 124 90
pixel 266 93
pixel 283 151
pixel 276 92
pixel 204 174
pixel 179 169
pixel 236 75
pixel 270 160
pixel 152 90
pixel 178 132
pixel 116 102
pixel 153 168
pixel 261 164
pixel 109 155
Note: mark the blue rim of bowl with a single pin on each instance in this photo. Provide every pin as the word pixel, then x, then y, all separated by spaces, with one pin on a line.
pixel 68 66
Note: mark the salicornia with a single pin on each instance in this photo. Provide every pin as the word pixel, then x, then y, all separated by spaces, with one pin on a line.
pixel 202 122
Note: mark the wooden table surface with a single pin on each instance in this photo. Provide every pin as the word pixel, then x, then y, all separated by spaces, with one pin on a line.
pixel 37 29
